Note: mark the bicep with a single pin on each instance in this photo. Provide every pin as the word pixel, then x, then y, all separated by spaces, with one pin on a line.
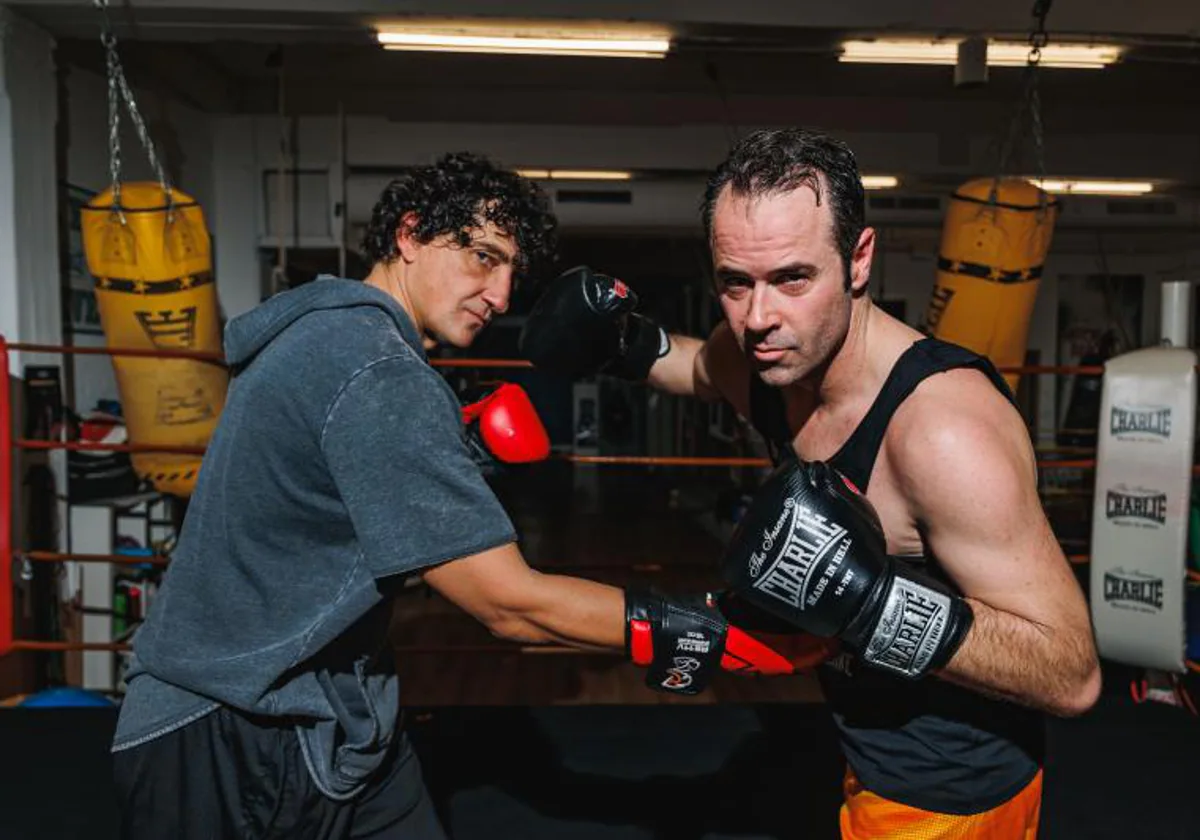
pixel 984 523
pixel 1013 564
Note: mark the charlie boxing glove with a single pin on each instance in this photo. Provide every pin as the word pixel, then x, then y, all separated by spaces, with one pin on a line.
pixel 810 549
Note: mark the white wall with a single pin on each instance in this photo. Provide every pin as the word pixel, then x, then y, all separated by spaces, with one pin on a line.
pixel 29 265
pixel 381 143
pixel 236 198
pixel 378 142
pixel 181 135
pixel 248 146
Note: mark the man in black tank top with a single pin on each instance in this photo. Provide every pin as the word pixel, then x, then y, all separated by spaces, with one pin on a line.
pixel 931 722
pixel 925 429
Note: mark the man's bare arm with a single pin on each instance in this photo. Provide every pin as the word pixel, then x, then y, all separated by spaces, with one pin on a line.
pixel 680 371
pixel 971 479
pixel 515 602
pixel 499 589
pixel 1016 659
pixel 709 369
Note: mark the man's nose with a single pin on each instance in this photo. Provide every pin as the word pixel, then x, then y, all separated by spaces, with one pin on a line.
pixel 499 291
pixel 761 316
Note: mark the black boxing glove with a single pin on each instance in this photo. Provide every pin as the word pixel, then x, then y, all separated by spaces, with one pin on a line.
pixel 584 323
pixel 810 549
pixel 683 641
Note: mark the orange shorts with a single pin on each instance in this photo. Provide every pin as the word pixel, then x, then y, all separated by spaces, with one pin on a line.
pixel 866 815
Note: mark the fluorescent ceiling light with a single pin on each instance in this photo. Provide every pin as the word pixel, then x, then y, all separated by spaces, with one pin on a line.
pixel 880 182
pixel 524 38
pixel 870 182
pixel 575 174
pixel 1082 187
pixel 999 54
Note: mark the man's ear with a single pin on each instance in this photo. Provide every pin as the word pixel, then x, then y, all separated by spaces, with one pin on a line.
pixel 406 241
pixel 860 261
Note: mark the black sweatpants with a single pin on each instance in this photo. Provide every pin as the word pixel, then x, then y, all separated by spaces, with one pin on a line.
pixel 228 775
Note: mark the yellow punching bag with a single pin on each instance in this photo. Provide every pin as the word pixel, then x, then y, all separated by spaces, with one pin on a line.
pixel 993 248
pixel 152 265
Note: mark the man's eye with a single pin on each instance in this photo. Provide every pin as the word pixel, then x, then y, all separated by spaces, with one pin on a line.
pixel 484 257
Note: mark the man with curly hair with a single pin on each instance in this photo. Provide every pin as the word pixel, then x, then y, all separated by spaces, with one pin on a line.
pixel 262 699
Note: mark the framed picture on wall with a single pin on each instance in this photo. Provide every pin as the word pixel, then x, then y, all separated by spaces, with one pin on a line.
pixel 81 296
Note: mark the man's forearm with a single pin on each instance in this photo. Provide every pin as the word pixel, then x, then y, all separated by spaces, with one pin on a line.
pixel 1012 658
pixel 676 372
pixel 559 609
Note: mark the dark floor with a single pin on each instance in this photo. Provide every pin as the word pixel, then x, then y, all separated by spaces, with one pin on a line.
pixel 554 746
pixel 642 772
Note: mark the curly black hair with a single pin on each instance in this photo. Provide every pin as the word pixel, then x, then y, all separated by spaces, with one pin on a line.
pixel 460 193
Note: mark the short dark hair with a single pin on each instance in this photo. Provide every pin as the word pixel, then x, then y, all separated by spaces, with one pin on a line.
pixel 459 193
pixel 782 159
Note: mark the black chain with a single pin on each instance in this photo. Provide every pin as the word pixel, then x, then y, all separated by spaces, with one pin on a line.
pixel 1037 36
pixel 1029 105
pixel 118 92
pixel 1037 39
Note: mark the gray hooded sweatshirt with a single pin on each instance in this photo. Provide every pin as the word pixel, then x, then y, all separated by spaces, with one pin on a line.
pixel 339 466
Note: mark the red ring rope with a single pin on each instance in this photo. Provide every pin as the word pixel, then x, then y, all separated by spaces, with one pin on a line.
pixel 1062 370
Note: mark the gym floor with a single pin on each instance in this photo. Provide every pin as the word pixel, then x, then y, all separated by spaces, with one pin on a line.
pixel 560 745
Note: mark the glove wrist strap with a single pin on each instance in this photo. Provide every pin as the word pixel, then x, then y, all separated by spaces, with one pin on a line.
pixel 680 642
pixel 643 344
pixel 919 626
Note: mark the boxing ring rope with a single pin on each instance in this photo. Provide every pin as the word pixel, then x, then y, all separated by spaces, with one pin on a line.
pixel 457 362
pixel 76 446
pixel 595 460
pixel 116 559
pixel 71 350
pixel 7 445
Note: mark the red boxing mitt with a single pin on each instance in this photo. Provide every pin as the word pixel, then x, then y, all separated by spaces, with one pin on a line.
pixel 507 425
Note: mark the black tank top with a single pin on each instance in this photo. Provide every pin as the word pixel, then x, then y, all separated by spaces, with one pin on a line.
pixel 927 743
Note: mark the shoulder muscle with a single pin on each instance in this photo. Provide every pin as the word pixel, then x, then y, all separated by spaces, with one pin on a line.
pixel 958 445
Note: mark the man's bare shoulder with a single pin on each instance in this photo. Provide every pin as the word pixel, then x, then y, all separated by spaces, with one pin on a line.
pixel 958 426
pixel 725 368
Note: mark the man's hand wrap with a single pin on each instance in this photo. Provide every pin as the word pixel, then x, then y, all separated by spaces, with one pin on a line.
pixel 679 641
pixel 810 549
pixel 682 641
pixel 584 323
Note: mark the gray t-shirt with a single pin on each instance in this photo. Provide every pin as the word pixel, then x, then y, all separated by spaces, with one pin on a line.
pixel 338 467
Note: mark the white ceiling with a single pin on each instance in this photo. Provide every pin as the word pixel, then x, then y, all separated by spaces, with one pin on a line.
pixel 736 64
pixel 1160 18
